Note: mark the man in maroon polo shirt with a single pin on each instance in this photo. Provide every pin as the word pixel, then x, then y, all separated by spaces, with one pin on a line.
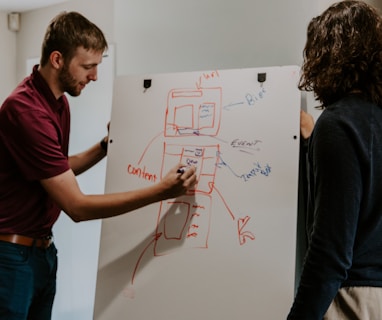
pixel 37 176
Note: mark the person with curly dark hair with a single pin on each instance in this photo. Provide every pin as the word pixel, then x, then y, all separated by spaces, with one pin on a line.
pixel 342 272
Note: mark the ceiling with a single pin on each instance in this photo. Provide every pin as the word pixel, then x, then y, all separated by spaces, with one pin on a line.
pixel 26 5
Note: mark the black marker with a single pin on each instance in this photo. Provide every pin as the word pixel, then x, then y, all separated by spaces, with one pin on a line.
pixel 181 170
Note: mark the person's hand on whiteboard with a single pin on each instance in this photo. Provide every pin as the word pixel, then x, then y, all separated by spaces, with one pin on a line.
pixel 105 141
pixel 306 124
pixel 178 181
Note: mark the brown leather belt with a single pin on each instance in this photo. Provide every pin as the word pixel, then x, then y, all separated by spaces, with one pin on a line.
pixel 27 241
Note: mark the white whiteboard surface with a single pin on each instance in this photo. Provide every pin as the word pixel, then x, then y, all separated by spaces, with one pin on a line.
pixel 227 249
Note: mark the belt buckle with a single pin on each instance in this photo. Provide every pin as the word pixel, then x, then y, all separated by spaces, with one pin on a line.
pixel 44 242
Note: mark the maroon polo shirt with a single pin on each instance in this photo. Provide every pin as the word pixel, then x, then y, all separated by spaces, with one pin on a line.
pixel 34 139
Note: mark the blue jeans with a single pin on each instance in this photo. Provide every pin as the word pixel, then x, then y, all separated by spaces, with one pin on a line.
pixel 27 281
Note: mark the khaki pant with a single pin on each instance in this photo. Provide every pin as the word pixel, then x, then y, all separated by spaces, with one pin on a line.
pixel 356 303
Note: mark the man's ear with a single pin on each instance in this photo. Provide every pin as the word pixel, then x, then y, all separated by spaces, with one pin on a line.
pixel 56 60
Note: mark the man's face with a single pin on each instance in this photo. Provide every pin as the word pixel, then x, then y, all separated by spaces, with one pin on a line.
pixel 77 73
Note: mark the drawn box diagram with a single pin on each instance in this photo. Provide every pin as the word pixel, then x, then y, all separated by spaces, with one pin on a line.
pixel 183 222
pixel 184 219
pixel 193 112
pixel 204 158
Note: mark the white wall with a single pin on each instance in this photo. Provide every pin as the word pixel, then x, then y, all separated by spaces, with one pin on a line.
pixel 7 58
pixel 181 35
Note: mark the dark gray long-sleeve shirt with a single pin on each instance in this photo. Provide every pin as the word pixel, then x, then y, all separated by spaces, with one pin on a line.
pixel 344 221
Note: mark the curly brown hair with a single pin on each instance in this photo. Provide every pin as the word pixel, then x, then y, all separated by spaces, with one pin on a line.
pixel 343 53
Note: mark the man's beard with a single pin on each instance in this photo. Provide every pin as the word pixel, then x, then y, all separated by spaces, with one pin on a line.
pixel 67 82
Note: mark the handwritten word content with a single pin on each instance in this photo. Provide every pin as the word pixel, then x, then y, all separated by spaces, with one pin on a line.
pixel 141 173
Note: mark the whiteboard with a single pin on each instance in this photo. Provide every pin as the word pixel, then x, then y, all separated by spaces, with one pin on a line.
pixel 225 250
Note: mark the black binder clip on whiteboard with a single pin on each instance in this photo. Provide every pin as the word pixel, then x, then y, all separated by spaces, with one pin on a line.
pixel 146 84
pixel 261 77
